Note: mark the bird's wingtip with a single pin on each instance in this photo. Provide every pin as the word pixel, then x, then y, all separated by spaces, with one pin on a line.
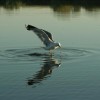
pixel 29 27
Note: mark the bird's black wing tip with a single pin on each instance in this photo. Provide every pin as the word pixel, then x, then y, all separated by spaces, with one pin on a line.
pixel 29 27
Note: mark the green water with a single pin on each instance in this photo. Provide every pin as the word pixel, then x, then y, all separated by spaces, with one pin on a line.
pixel 71 73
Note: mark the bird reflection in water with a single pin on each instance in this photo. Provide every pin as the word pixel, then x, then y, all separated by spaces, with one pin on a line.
pixel 49 64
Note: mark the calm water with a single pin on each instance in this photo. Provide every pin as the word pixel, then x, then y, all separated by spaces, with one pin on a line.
pixel 27 72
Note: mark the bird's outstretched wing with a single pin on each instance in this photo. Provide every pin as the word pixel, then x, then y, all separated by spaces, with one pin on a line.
pixel 44 36
pixel 49 34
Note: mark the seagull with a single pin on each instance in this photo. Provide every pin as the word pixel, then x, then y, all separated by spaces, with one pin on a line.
pixel 45 37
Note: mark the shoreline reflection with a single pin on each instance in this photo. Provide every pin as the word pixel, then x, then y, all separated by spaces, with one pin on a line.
pixel 60 11
pixel 60 6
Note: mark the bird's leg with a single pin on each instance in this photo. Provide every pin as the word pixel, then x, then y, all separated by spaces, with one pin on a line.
pixel 50 52
pixel 60 55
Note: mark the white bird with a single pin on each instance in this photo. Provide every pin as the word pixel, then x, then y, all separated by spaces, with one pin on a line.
pixel 45 37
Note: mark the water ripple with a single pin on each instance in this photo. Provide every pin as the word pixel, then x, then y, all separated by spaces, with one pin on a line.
pixel 46 60
pixel 36 54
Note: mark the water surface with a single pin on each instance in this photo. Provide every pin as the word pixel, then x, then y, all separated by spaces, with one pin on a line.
pixel 29 72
